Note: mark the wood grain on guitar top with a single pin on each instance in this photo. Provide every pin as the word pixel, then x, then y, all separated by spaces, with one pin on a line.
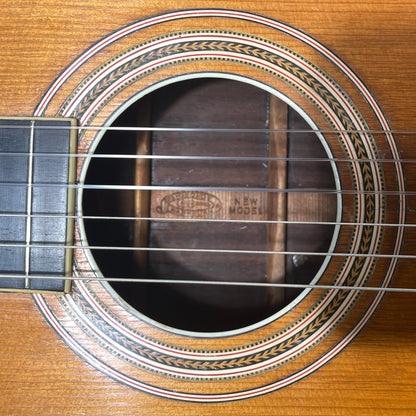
pixel 376 374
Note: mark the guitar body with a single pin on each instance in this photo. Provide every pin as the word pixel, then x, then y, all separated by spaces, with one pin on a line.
pixel 44 372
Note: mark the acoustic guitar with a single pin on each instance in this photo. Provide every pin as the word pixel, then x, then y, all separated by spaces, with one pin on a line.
pixel 207 208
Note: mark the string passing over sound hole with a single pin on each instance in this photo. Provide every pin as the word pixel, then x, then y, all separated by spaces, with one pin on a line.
pixel 211 204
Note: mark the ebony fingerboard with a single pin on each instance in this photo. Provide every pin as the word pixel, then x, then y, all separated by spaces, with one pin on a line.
pixel 35 202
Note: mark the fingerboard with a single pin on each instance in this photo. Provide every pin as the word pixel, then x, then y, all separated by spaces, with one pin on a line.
pixel 35 203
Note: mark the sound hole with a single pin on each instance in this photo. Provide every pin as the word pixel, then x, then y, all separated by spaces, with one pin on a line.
pixel 210 218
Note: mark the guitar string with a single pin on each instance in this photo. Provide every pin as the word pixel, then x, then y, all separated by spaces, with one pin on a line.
pixel 206 158
pixel 55 246
pixel 215 283
pixel 199 188
pixel 208 220
pixel 212 251
pixel 210 158
pixel 207 189
pixel 204 129
pixel 221 158
pixel 179 188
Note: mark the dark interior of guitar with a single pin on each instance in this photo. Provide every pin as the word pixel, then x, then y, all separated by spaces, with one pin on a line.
pixel 224 220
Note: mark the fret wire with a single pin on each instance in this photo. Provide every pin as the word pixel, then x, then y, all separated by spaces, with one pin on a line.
pixel 28 231
pixel 216 283
pixel 218 220
pixel 207 250
pixel 212 189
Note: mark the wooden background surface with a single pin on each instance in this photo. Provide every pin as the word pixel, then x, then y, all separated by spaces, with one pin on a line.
pixel 376 375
